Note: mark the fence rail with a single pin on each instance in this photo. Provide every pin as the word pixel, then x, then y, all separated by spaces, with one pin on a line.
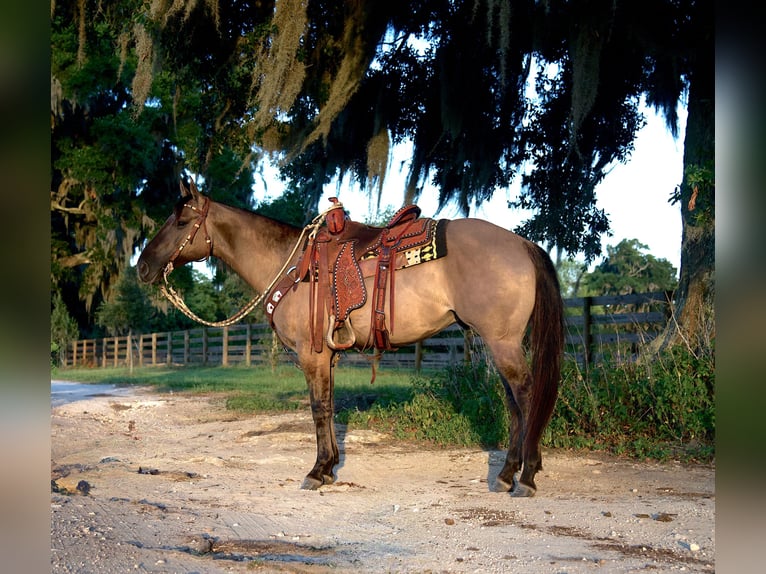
pixel 596 327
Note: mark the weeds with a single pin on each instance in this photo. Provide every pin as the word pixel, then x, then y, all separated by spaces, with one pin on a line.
pixel 657 409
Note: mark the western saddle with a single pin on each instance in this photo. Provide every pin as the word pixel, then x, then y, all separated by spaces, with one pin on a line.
pixel 340 255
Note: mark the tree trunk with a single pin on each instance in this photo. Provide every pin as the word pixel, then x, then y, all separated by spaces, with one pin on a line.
pixel 694 321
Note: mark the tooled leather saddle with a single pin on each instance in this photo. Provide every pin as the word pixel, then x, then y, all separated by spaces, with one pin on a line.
pixel 338 258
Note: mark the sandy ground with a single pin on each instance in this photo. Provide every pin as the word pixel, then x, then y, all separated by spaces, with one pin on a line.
pixel 172 483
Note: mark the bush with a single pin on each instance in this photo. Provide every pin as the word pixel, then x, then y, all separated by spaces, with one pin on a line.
pixel 461 406
pixel 659 408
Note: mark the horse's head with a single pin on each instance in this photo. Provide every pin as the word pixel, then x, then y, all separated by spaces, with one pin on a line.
pixel 178 241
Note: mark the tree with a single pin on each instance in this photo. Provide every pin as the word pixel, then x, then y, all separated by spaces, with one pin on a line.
pixel 329 88
pixel 570 273
pixel 63 329
pixel 626 270
pixel 129 307
pixel 116 166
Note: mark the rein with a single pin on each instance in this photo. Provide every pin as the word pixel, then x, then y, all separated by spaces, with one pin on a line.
pixel 172 295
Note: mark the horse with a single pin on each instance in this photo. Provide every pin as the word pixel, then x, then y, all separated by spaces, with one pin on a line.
pixel 491 281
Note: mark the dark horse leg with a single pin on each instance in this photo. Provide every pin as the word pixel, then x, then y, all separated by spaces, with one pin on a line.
pixel 318 370
pixel 517 381
pixel 504 480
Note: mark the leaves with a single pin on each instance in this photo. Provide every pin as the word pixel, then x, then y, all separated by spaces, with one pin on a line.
pixel 626 269
pixel 142 91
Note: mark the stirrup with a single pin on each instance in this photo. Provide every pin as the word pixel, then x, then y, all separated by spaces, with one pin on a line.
pixel 342 337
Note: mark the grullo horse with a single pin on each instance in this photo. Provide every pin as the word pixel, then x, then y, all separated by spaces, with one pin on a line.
pixel 491 280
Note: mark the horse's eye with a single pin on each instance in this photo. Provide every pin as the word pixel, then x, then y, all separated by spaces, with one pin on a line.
pixel 181 224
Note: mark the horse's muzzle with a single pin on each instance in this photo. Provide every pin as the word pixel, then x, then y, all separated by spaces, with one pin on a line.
pixel 145 272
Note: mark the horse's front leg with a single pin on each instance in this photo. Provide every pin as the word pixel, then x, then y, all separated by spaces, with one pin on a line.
pixel 319 374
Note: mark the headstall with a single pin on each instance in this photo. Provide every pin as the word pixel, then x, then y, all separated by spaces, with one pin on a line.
pixel 201 217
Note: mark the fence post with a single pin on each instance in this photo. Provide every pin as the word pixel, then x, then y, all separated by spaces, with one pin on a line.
pixel 248 344
pixel 169 348
pixel 467 345
pixel 668 304
pixel 418 356
pixel 186 347
pixel 204 345
pixel 130 350
pixel 154 349
pixel 225 347
pixel 587 335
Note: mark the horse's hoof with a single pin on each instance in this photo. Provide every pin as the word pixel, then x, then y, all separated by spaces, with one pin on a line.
pixel 523 491
pixel 501 486
pixel 310 483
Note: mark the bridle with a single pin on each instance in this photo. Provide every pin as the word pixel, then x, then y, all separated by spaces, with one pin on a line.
pixel 173 296
pixel 201 218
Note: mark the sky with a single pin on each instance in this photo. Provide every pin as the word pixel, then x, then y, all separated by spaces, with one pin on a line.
pixel 634 195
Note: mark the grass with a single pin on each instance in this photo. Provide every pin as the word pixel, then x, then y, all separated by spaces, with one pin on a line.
pixel 662 409
pixel 254 389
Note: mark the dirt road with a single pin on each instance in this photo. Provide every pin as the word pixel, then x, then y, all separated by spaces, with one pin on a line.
pixel 171 483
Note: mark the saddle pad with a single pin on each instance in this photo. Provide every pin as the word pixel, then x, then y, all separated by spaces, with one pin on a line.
pixel 432 245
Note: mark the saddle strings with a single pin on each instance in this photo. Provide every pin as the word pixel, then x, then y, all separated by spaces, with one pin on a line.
pixel 172 295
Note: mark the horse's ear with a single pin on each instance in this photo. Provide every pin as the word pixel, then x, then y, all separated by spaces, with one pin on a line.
pixel 184 191
pixel 194 190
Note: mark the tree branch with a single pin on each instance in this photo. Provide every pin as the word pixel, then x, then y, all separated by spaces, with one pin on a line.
pixel 56 206
pixel 81 258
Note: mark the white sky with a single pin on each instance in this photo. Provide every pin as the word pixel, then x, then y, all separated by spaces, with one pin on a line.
pixel 634 195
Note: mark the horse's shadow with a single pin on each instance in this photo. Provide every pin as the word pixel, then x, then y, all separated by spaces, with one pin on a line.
pixel 340 435
pixel 495 455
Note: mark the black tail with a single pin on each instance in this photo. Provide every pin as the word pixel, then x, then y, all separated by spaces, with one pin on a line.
pixel 547 344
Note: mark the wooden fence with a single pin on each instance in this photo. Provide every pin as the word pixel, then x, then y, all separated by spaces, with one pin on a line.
pixel 597 328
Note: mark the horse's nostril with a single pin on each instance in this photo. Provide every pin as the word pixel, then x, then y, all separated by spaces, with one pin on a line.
pixel 143 271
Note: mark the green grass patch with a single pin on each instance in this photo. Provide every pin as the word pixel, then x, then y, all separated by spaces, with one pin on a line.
pixel 664 408
pixel 253 389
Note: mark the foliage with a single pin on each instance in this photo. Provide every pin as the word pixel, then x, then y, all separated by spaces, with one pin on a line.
pixel 463 405
pixel 115 170
pixel 63 329
pixel 625 270
pixel 140 308
pixel 656 409
pixel 659 410
pixel 233 293
pixel 129 307
pixel 382 217
pixel 700 180
pixel 570 273
pixel 141 91
pixel 291 207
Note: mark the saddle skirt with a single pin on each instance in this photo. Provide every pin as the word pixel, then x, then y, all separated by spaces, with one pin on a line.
pixel 342 255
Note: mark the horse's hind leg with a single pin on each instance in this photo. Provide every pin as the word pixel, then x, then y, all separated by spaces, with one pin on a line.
pixel 319 377
pixel 506 477
pixel 510 363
